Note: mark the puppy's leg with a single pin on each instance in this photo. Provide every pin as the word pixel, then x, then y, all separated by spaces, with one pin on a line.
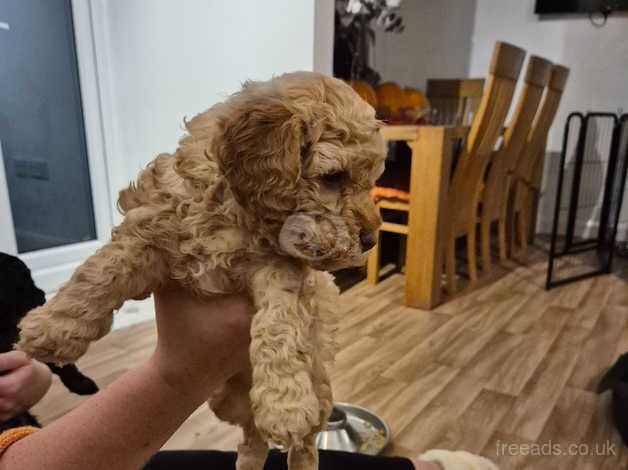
pixel 233 405
pixel 325 299
pixel 323 306
pixel 304 457
pixel 324 325
pixel 284 404
pixel 60 330
pixel 253 450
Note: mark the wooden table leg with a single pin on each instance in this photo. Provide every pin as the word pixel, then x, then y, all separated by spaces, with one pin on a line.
pixel 429 183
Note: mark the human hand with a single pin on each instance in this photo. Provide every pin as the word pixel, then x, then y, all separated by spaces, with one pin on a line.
pixel 23 384
pixel 201 342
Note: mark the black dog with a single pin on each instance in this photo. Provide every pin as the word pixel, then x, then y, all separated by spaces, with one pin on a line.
pixel 616 379
pixel 18 295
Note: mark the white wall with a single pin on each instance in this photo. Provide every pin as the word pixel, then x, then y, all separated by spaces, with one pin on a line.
pixel 162 60
pixel 436 42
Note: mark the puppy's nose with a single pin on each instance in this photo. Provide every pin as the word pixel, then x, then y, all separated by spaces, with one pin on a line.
pixel 367 239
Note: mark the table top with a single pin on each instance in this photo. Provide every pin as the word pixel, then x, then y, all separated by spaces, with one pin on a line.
pixel 411 131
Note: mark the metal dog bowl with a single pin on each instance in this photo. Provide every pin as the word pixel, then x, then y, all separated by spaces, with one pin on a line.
pixel 354 429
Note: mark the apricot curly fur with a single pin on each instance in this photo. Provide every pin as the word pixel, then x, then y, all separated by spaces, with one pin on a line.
pixel 210 217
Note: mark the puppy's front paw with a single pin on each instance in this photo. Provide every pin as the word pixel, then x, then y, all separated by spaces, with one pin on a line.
pixel 287 424
pixel 49 336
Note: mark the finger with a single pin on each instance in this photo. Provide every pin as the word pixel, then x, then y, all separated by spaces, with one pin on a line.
pixel 8 408
pixel 11 383
pixel 12 360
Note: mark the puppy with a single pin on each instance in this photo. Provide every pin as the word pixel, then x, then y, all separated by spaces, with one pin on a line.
pixel 266 192
pixel 18 295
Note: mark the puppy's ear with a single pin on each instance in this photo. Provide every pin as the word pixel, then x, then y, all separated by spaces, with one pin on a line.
pixel 260 155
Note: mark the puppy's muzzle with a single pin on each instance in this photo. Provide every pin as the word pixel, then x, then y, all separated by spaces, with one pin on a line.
pixel 367 239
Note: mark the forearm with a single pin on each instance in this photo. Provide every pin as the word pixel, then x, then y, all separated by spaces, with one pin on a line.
pixel 120 427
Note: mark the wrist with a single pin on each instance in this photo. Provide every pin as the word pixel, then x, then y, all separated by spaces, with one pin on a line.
pixel 180 379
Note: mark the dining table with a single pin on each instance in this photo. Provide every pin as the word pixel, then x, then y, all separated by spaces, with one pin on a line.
pixel 432 149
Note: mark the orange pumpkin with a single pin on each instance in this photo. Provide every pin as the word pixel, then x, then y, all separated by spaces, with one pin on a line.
pixel 414 99
pixel 365 91
pixel 390 96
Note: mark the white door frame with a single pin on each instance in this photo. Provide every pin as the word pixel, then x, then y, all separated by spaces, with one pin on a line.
pixel 52 266
pixel 7 234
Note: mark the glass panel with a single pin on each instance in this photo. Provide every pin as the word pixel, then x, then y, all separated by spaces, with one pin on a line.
pixel 41 125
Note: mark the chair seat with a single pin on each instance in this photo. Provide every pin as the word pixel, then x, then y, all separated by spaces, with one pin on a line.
pixel 379 192
pixel 395 181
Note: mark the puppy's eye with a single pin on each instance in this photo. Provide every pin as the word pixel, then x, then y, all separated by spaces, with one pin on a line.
pixel 333 180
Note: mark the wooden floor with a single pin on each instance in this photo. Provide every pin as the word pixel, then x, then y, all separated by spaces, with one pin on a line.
pixel 507 363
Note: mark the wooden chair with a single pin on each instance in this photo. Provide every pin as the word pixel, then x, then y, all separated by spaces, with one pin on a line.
pixel 454 101
pixel 497 185
pixel 467 181
pixel 504 71
pixel 527 171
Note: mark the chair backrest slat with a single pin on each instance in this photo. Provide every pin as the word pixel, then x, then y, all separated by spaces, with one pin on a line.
pixel 533 151
pixel 495 195
pixel 484 133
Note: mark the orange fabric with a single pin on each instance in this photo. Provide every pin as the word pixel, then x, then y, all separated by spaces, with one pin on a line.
pixel 379 192
pixel 11 436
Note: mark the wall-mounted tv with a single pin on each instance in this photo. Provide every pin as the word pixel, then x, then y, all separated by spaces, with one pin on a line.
pixel 579 6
